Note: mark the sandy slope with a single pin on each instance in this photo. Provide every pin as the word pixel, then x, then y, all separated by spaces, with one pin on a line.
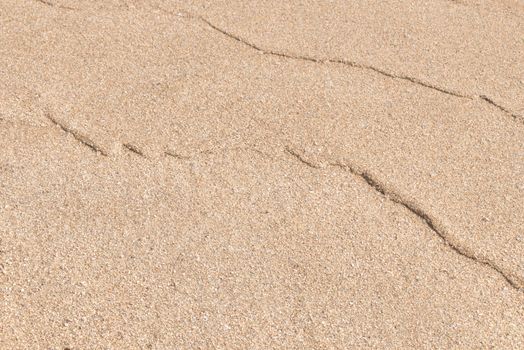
pixel 261 174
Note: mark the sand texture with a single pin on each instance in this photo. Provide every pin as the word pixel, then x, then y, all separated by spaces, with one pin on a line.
pixel 261 174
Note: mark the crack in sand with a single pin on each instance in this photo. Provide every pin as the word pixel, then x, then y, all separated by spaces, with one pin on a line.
pixel 512 280
pixel 352 64
pixel 176 155
pixel 503 109
pixel 347 63
pixel 84 140
pixel 134 149
pixel 51 4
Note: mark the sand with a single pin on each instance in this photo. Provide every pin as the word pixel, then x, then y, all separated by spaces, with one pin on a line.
pixel 261 174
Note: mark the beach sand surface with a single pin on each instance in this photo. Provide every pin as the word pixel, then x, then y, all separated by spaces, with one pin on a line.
pixel 261 174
